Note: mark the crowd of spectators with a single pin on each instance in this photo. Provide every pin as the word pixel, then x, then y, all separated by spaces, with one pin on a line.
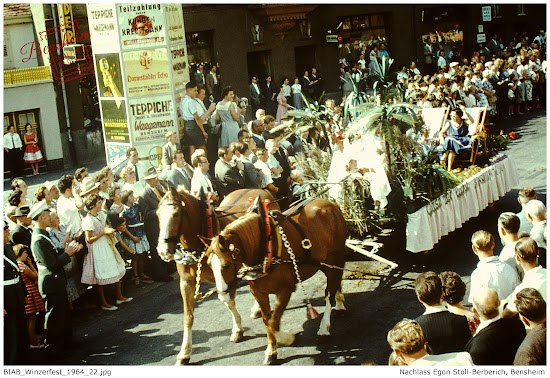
pixel 506 290
pixel 89 231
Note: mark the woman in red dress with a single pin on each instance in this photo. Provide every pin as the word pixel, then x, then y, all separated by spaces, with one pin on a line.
pixel 32 151
pixel 34 302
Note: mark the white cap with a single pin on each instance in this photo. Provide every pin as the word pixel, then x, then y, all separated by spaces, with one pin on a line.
pixel 49 184
pixel 38 208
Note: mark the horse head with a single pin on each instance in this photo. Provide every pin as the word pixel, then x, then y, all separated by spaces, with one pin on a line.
pixel 170 213
pixel 236 245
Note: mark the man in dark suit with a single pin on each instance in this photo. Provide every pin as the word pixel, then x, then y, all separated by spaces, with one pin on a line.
pixel 255 94
pixel 180 173
pixel 532 310
pixel 52 283
pixel 229 174
pixel 22 233
pixel 257 133
pixel 253 177
pixel 445 332
pixel 148 205
pixel 16 336
pixel 497 339
pixel 213 84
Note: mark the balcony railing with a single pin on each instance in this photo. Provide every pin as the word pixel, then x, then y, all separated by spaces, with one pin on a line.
pixel 27 75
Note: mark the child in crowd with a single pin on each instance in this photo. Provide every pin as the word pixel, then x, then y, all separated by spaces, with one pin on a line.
pixel 114 203
pixel 102 264
pixel 136 238
pixel 118 223
pixel 511 98
pixel 34 302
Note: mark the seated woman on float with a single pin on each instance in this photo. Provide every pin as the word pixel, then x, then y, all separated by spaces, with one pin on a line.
pixel 454 137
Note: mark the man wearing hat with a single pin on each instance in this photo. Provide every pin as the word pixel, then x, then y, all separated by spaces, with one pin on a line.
pixel 22 233
pixel 16 336
pixel 52 283
pixel 88 187
pixel 54 192
pixel 148 205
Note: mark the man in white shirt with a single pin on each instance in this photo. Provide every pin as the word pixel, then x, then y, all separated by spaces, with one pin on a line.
pixel 536 214
pixel 441 62
pixel 535 275
pixel 526 194
pixel 409 344
pixel 200 182
pixel 190 110
pixel 490 271
pixel 14 150
pixel 508 226
pixel 135 164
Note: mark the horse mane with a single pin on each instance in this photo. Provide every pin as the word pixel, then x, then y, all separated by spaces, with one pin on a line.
pixel 246 229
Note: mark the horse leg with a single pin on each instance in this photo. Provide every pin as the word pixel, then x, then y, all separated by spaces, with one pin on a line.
pixel 263 301
pixel 333 295
pixel 237 330
pixel 283 337
pixel 255 311
pixel 187 289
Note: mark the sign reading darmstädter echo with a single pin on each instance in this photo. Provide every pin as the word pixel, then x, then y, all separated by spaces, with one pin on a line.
pixel 141 71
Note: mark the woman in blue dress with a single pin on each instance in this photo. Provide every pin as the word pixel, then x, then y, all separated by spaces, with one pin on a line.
pixel 454 136
pixel 227 114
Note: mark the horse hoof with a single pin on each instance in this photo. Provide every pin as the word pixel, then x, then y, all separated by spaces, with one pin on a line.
pixel 323 333
pixel 256 315
pixel 237 336
pixel 182 362
pixel 270 359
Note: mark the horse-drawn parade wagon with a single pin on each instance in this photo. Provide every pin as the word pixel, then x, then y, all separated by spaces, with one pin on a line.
pixel 376 186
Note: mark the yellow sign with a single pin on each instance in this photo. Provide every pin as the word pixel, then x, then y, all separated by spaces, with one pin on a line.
pixel 66 25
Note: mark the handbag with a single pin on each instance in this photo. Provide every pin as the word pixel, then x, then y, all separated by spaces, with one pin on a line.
pixel 216 129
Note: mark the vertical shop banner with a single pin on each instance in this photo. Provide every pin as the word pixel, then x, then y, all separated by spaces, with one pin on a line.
pixel 141 25
pixel 66 25
pixel 147 72
pixel 109 76
pixel 115 121
pixel 179 63
pixel 151 119
pixel 103 28
pixel 174 23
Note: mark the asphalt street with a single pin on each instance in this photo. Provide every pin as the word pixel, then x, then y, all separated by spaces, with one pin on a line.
pixel 148 330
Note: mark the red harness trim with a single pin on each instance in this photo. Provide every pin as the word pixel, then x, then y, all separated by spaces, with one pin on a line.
pixel 210 229
pixel 269 237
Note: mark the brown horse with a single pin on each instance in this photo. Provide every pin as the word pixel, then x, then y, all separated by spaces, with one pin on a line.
pixel 239 245
pixel 179 214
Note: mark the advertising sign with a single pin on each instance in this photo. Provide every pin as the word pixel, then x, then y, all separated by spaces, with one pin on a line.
pixel 174 23
pixel 66 26
pixel 109 76
pixel 180 71
pixel 141 25
pixel 115 122
pixel 103 27
pixel 116 153
pixel 486 13
pixel 147 72
pixel 152 118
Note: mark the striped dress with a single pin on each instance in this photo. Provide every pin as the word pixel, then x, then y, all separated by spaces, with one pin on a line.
pixel 35 303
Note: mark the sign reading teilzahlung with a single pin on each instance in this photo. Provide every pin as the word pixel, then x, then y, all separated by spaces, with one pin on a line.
pixel 141 68
pixel 141 25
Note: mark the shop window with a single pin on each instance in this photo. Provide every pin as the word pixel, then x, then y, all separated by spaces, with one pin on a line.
pixel 360 34
pixel 496 11
pixel 200 47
